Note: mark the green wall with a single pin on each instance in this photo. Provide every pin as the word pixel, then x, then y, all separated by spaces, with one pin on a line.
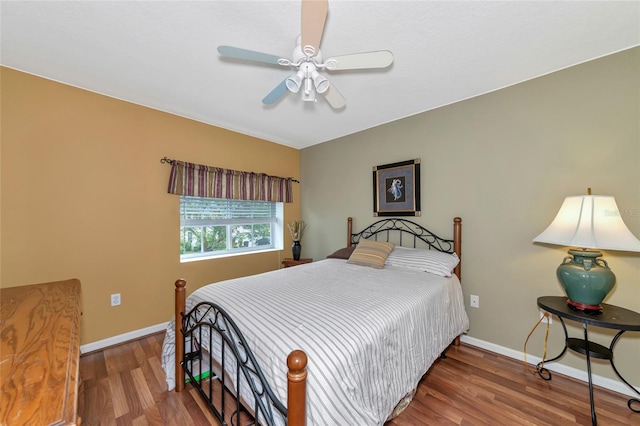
pixel 504 162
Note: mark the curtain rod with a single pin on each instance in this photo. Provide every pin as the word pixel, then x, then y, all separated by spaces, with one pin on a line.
pixel 166 160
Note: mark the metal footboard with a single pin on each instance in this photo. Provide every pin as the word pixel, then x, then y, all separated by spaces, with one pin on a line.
pixel 220 365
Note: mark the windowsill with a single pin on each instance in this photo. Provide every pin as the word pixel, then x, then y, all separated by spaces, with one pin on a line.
pixel 221 256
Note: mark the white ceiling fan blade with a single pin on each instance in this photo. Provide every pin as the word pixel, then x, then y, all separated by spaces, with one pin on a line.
pixel 379 59
pixel 314 15
pixel 247 55
pixel 276 93
pixel 335 99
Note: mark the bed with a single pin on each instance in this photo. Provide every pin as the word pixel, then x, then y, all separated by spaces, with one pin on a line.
pixel 344 340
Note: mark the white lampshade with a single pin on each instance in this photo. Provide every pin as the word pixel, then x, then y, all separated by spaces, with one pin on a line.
pixel 294 82
pixel 590 221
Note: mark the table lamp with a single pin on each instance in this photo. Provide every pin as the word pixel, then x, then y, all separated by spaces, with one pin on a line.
pixel 588 222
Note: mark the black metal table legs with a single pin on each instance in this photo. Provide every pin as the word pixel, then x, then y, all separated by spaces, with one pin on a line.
pixel 590 349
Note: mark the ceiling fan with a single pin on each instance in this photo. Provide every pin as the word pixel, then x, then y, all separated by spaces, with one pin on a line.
pixel 306 60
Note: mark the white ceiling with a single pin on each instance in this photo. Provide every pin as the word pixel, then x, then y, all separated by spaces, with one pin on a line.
pixel 162 54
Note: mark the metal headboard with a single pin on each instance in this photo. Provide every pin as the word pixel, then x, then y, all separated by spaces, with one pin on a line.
pixel 408 234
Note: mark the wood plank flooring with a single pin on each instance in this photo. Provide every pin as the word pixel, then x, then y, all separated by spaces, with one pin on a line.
pixel 125 385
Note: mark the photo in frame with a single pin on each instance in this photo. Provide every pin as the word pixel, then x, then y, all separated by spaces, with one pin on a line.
pixel 396 189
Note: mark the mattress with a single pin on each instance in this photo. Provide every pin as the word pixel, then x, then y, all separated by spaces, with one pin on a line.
pixel 369 334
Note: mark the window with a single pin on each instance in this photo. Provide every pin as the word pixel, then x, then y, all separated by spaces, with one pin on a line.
pixel 214 226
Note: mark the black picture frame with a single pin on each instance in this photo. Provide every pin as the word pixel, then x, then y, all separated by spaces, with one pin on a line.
pixel 396 189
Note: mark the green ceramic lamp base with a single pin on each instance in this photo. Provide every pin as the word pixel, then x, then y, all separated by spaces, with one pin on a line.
pixel 586 279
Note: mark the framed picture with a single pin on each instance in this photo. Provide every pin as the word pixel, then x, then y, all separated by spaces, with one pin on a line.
pixel 396 189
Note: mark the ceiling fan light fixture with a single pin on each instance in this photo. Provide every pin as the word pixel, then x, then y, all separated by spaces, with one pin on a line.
pixel 294 82
pixel 320 82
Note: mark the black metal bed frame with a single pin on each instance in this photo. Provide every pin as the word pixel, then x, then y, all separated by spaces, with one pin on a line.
pixel 208 322
pixel 237 366
pixel 417 232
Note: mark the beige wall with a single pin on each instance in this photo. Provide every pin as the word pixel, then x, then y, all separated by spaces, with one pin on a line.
pixel 84 195
pixel 503 162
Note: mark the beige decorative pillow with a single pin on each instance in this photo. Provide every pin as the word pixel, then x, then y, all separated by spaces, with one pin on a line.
pixel 371 253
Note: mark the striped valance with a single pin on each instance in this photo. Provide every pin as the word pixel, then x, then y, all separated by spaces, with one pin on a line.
pixel 206 181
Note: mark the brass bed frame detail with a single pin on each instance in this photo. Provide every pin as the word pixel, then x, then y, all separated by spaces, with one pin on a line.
pixel 207 319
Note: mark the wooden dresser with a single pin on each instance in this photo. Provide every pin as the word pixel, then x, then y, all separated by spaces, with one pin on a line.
pixel 40 354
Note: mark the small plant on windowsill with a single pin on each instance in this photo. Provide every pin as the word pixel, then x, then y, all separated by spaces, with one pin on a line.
pixel 296 229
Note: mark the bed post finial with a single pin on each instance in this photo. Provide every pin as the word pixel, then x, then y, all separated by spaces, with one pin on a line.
pixel 349 230
pixel 296 388
pixel 179 309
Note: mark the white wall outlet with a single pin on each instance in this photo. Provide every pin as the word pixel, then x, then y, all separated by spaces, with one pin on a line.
pixel 115 299
pixel 546 317
pixel 474 301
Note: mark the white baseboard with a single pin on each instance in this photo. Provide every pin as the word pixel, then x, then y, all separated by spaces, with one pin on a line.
pixel 575 373
pixel 116 340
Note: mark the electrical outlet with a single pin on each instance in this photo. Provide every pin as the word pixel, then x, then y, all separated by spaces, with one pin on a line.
pixel 546 317
pixel 474 301
pixel 115 299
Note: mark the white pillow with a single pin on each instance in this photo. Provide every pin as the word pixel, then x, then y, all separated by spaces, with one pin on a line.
pixel 433 261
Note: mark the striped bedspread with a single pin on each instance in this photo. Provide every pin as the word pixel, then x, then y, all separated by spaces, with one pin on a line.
pixel 369 334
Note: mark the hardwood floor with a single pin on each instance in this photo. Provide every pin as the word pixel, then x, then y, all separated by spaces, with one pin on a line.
pixel 125 385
